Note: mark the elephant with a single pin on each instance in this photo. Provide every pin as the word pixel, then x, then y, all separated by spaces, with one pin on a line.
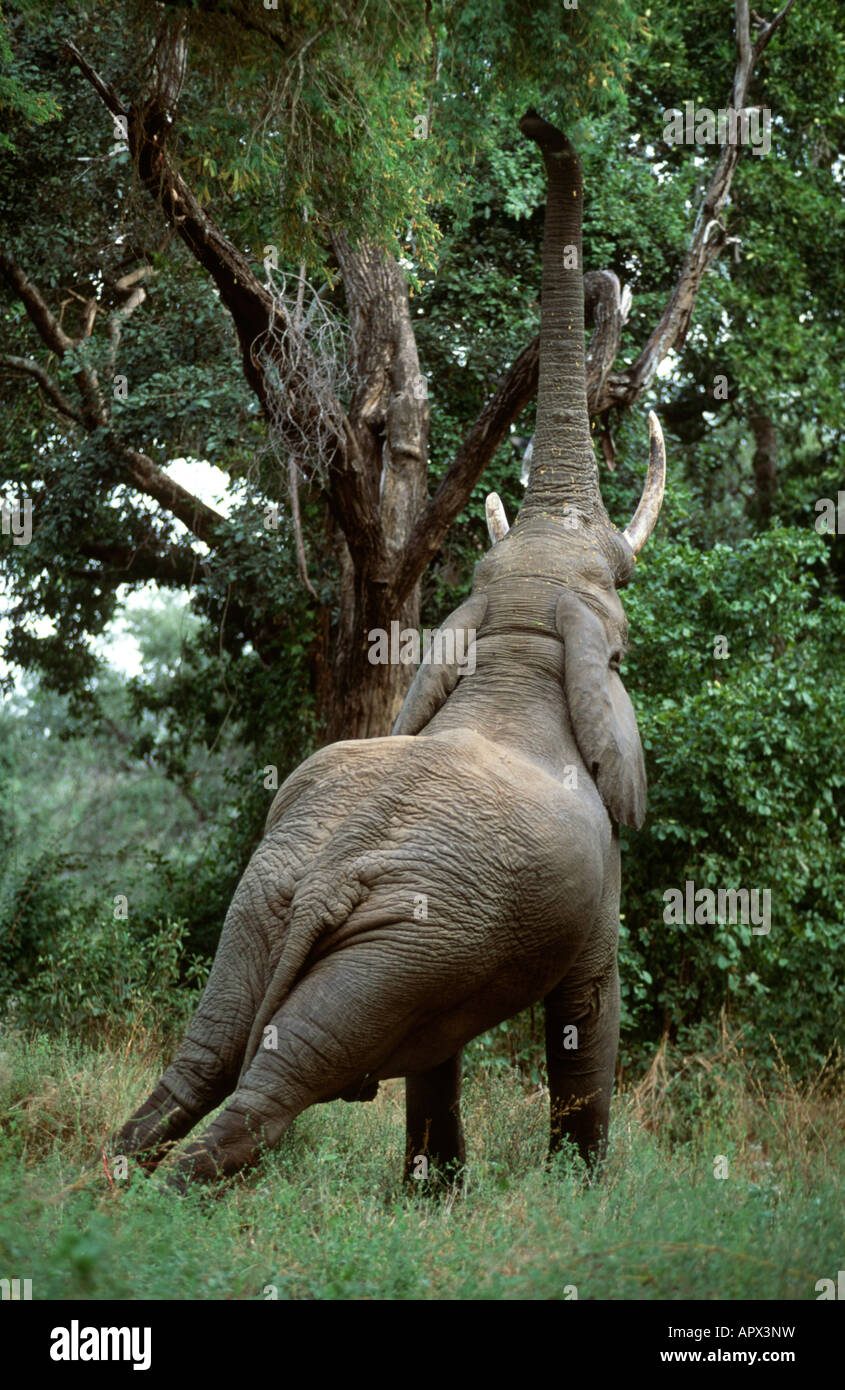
pixel 414 890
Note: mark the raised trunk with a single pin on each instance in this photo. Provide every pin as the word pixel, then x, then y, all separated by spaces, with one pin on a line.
pixel 563 473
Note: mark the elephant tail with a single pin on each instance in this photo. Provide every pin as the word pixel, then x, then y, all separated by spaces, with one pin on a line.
pixel 317 910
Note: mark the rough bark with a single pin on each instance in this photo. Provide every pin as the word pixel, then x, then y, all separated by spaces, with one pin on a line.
pixel 389 417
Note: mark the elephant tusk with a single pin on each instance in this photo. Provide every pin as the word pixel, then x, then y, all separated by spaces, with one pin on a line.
pixel 642 523
pixel 497 522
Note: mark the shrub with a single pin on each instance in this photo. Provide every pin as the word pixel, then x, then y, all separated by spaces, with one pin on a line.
pixel 101 972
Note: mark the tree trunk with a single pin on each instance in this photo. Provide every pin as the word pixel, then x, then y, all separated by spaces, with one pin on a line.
pixel 361 698
pixel 389 417
pixel 765 464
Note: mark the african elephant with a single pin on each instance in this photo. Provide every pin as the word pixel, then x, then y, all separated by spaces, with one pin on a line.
pixel 412 891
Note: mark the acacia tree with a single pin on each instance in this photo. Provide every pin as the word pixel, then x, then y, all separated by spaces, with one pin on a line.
pixel 330 163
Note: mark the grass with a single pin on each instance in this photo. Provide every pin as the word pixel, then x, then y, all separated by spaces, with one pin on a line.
pixel 325 1216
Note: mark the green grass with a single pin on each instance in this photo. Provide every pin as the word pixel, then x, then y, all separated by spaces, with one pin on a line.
pixel 325 1216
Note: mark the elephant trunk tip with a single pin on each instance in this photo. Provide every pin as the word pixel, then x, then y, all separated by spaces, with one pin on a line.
pixel 547 136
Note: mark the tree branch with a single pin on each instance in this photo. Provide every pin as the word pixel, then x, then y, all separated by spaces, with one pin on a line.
pixel 301 562
pixel 607 305
pixel 54 337
pixel 203 521
pixel 45 381
pixel 108 96
pixel 125 563
pixel 621 389
pixel 252 307
pixel 49 329
pixel 199 518
pixel 131 286
pixel 517 387
pixel 770 29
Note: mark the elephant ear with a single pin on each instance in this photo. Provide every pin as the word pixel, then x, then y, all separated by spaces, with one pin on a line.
pixel 435 680
pixel 602 715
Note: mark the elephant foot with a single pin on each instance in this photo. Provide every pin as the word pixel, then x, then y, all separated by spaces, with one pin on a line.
pixel 211 1167
pixel 150 1134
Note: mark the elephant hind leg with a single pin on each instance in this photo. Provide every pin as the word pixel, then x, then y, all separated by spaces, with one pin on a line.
pixel 582 1037
pixel 205 1069
pixel 195 1083
pixel 433 1130
pixel 202 1074
pixel 163 1120
pixel 332 1033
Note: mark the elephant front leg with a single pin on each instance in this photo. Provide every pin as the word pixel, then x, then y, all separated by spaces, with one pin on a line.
pixel 434 1136
pixel 582 1037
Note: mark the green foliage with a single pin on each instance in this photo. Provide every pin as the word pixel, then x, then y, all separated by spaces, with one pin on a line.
pixel 106 974
pixel 20 100
pixel 370 118
pixel 745 789
pixel 119 805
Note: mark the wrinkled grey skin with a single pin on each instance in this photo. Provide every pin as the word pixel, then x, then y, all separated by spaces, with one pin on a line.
pixel 413 891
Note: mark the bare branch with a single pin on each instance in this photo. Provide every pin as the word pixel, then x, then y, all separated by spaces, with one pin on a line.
pixel 132 277
pixel 199 518
pixel 54 337
pixel 42 316
pixel 133 301
pixel 202 520
pixel 709 236
pixel 125 563
pixel 45 381
pixel 770 29
pixel 108 96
